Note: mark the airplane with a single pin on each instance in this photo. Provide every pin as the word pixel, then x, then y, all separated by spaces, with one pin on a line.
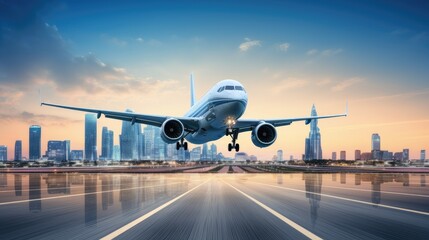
pixel 215 115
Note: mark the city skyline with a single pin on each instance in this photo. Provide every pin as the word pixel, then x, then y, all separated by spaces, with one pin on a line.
pixel 116 57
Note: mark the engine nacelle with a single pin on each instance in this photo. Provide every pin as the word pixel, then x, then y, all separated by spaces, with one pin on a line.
pixel 172 130
pixel 264 135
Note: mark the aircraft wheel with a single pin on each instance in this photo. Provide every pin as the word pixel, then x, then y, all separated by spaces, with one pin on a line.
pixel 185 146
pixel 229 147
pixel 237 147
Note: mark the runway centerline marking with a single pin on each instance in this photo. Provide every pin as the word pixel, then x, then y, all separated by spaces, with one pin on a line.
pixel 289 222
pixel 148 215
pixel 83 194
pixel 348 199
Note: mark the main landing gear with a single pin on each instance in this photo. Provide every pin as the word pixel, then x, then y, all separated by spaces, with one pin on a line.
pixel 183 144
pixel 233 132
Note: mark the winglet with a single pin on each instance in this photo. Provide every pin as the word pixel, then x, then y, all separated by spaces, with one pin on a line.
pixel 347 108
pixel 40 99
pixel 192 90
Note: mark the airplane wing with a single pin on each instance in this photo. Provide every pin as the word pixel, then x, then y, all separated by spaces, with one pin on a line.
pixel 245 125
pixel 190 124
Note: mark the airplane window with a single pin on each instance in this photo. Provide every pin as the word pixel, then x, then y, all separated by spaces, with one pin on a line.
pixel 220 89
pixel 239 88
pixel 229 87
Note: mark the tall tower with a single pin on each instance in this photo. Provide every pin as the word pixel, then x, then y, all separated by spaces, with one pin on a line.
pixel 18 150
pixel 313 148
pixel 90 137
pixel 375 142
pixel 129 140
pixel 105 143
pixel 35 146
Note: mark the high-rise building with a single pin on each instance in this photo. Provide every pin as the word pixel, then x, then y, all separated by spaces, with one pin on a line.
pixel 67 149
pixel 76 155
pixel 141 146
pixel 334 156
pixel 204 154
pixel 105 143
pixel 195 154
pixel 90 137
pixel 56 150
pixel 129 139
pixel 423 155
pixel 149 142
pixel 357 155
pixel 406 154
pixel 313 142
pixel 35 146
pixel 343 155
pixel 213 152
pixel 375 142
pixel 280 155
pixel 3 153
pixel 116 153
pixel 18 150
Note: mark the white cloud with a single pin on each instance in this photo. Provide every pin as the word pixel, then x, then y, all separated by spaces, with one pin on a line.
pixel 248 44
pixel 346 84
pixel 327 52
pixel 312 52
pixel 323 82
pixel 290 83
pixel 140 40
pixel 284 47
pixel 331 52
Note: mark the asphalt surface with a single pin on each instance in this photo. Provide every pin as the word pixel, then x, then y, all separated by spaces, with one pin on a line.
pixel 214 206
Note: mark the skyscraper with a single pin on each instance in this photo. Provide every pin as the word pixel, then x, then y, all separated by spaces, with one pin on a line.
pixel 149 140
pixel 280 155
pixel 105 143
pixel 56 150
pixel 357 155
pixel 90 137
pixel 67 150
pixel 334 156
pixel 18 150
pixel 313 148
pixel 375 142
pixel 204 154
pixel 343 155
pixel 35 146
pixel 3 153
pixel 423 155
pixel 213 149
pixel 406 154
pixel 129 140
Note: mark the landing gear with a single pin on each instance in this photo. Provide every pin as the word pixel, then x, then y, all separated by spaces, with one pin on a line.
pixel 233 132
pixel 183 144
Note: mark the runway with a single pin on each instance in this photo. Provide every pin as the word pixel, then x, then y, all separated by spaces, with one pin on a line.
pixel 214 206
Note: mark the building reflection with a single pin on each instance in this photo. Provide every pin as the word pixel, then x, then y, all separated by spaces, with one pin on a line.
pixel 18 184
pixel 107 191
pixel 313 188
pixel 128 192
pixel 377 180
pixel 343 178
pixel 334 177
pixel 422 180
pixel 358 179
pixel 279 179
pixel 58 183
pixel 3 180
pixel 90 199
pixel 34 192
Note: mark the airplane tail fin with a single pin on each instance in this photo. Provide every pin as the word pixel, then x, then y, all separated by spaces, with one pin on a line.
pixel 192 90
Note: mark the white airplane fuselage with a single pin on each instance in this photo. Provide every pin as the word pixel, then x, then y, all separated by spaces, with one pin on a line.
pixel 216 110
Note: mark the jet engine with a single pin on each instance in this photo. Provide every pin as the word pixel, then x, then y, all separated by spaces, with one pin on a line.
pixel 172 130
pixel 264 135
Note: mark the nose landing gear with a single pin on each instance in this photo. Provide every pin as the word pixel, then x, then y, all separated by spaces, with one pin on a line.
pixel 233 132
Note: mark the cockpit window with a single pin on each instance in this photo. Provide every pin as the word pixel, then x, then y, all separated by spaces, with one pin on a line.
pixel 229 87
pixel 239 88
pixel 220 89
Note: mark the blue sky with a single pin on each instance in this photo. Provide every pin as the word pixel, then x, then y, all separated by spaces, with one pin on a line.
pixel 288 55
